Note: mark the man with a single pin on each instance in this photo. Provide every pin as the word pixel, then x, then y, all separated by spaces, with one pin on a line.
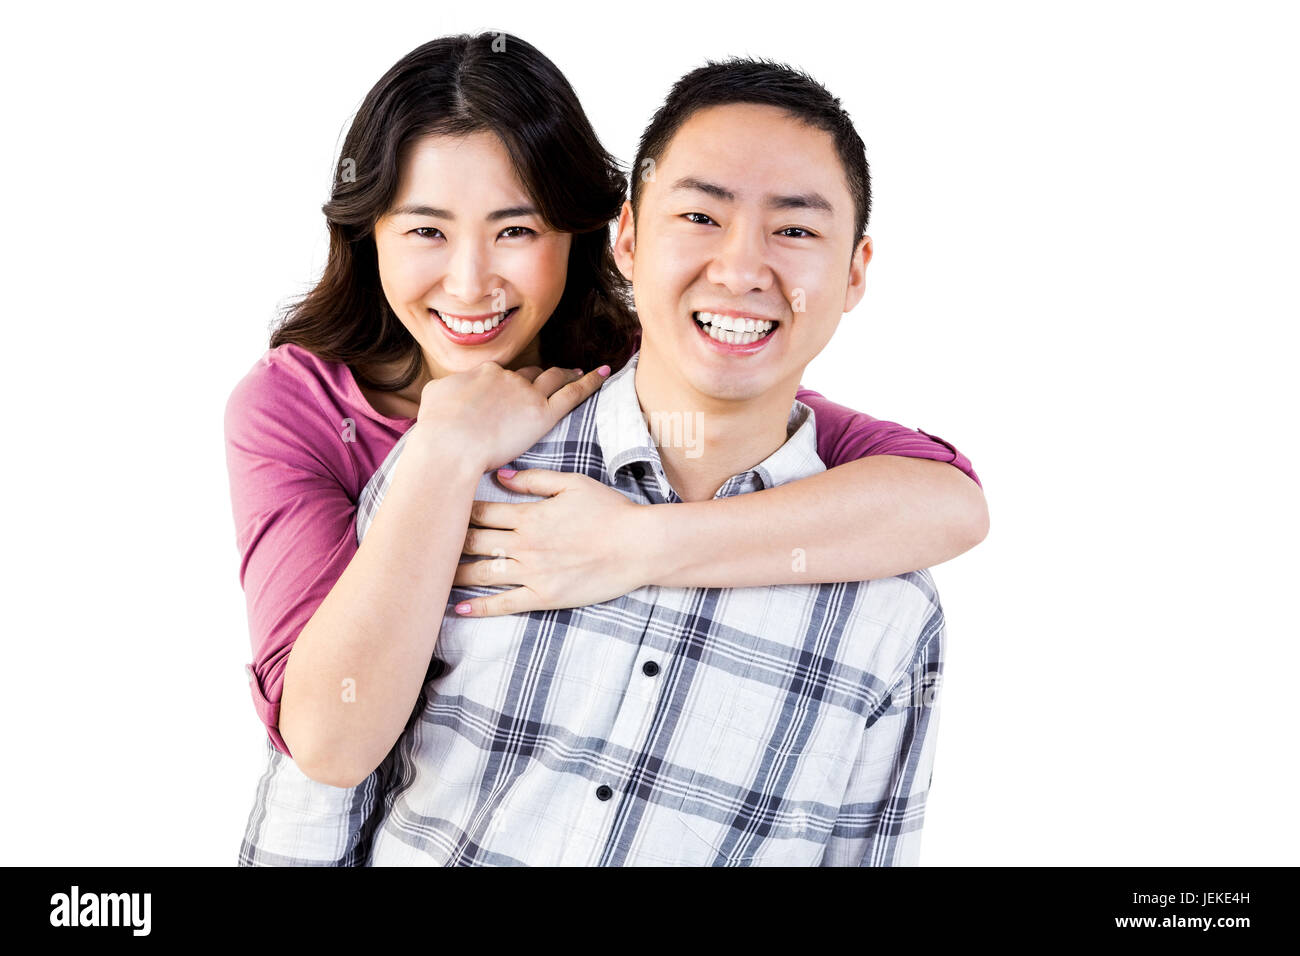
pixel 774 725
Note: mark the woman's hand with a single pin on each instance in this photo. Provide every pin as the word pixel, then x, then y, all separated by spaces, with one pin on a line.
pixel 491 415
pixel 580 545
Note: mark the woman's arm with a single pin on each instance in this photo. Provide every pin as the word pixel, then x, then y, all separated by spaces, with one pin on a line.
pixel 321 611
pixel 356 669
pixel 372 631
pixel 347 626
pixel 893 500
pixel 871 518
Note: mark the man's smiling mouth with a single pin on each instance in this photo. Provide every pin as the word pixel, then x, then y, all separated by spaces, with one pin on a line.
pixel 734 330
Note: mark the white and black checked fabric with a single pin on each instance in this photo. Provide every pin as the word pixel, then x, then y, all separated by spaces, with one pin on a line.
pixel 787 725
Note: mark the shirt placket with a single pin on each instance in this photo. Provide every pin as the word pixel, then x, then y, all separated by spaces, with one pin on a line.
pixel 635 719
pixel 643 695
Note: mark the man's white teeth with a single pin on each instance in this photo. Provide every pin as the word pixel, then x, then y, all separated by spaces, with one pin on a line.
pixel 733 330
pixel 465 327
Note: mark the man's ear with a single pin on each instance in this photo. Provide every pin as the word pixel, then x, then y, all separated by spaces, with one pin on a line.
pixel 625 241
pixel 858 273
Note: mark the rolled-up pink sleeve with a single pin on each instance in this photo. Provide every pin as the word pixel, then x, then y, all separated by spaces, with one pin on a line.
pixel 295 523
pixel 845 435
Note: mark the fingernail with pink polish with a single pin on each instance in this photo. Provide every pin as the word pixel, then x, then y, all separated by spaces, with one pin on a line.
pixel 464 607
pixel 603 371
pixel 507 472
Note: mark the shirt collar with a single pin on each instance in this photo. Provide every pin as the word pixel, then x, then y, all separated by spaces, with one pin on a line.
pixel 625 441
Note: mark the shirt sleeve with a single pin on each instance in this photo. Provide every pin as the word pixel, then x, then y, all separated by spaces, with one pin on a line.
pixel 884 807
pixel 295 522
pixel 844 435
pixel 297 821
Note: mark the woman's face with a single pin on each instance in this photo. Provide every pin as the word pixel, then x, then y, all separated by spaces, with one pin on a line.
pixel 465 260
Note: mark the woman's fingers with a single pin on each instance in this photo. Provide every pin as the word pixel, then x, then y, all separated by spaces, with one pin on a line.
pixel 489 542
pixel 496 514
pixel 492 572
pixel 570 396
pixel 529 372
pixel 539 482
pixel 518 601
pixel 553 379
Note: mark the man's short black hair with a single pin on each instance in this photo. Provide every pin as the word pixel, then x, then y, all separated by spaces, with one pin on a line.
pixel 742 80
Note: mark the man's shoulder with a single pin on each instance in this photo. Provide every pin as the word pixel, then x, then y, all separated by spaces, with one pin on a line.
pixel 908 606
pixel 878 626
pixel 906 602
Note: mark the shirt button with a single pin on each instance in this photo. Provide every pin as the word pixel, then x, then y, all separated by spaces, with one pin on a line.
pixel 637 471
pixel 603 792
pixel 649 668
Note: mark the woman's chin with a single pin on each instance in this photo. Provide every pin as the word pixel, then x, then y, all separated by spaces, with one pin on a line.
pixel 464 358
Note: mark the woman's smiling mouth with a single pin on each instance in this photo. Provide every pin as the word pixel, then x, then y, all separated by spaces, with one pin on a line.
pixel 475 329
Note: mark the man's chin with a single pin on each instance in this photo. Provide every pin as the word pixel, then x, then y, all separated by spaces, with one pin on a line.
pixel 732 387
pixel 709 378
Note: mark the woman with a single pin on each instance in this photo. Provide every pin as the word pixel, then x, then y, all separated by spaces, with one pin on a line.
pixel 468 250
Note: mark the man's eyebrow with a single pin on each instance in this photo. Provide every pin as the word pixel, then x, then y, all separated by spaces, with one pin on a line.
pixel 414 209
pixel 800 201
pixel 699 185
pixel 813 200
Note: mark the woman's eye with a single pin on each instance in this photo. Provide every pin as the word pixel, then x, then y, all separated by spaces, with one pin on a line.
pixel 793 229
pixel 423 231
pixel 699 217
pixel 512 232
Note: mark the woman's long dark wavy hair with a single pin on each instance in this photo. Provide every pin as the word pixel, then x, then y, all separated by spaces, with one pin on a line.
pixel 457 85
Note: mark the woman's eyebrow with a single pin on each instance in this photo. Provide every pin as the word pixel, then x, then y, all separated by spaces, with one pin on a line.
pixel 511 212
pixel 415 209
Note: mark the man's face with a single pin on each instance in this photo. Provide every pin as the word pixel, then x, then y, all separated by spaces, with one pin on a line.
pixel 747 220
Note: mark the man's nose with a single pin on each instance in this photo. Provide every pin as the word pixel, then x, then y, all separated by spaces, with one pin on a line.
pixel 741 261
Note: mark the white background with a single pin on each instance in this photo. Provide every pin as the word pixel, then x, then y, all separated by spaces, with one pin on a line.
pixel 1085 227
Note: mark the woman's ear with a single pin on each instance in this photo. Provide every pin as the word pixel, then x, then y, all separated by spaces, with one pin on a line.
pixel 625 241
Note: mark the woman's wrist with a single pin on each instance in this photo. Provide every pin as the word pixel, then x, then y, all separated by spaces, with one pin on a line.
pixel 659 539
pixel 449 452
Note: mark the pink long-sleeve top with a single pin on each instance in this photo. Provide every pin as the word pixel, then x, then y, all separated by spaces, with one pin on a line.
pixel 302 442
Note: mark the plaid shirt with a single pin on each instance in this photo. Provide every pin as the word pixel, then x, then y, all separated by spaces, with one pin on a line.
pixel 786 725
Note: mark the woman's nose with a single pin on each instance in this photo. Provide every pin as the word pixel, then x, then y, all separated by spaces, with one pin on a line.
pixel 468 276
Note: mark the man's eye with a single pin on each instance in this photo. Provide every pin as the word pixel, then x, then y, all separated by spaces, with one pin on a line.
pixel 701 218
pixel 794 229
pixel 423 231
pixel 512 232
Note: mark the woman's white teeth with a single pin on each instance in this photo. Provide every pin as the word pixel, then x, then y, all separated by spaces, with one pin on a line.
pixel 734 330
pixel 465 327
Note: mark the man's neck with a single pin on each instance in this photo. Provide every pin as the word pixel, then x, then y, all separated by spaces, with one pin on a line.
pixel 702 440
